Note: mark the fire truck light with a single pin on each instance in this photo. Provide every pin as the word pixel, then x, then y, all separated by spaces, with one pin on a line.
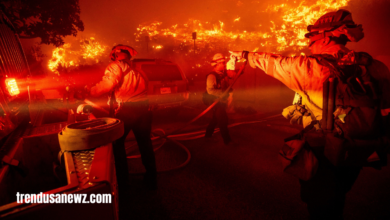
pixel 12 87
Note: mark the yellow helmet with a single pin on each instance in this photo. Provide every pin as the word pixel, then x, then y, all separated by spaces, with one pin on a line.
pixel 217 58
pixel 132 51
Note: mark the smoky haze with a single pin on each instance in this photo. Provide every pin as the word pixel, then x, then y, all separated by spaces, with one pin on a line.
pixel 116 21
pixel 113 22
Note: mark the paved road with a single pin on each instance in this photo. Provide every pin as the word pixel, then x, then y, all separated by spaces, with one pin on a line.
pixel 240 182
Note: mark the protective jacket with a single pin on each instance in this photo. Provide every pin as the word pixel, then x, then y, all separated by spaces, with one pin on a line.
pixel 218 82
pixel 305 75
pixel 129 85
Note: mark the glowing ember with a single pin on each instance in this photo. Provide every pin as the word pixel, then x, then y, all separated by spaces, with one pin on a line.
pixel 90 51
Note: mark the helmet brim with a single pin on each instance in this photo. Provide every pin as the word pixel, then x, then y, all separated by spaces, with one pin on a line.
pixel 131 50
pixel 215 62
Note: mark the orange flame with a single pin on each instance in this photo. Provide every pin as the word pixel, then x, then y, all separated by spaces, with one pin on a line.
pixel 297 18
pixel 286 32
pixel 90 51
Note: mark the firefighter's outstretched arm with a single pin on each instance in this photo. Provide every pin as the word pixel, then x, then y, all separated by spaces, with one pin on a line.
pixel 110 80
pixel 292 71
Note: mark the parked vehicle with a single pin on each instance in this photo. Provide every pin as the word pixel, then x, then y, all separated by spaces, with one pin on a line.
pixel 167 85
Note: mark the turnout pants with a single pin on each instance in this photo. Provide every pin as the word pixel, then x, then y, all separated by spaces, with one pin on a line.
pixel 219 118
pixel 325 193
pixel 136 117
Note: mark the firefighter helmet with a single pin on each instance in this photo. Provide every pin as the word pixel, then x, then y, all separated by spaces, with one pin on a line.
pixel 120 47
pixel 335 24
pixel 217 58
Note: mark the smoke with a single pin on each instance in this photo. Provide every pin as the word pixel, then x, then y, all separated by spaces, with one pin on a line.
pixel 116 21
pixel 374 15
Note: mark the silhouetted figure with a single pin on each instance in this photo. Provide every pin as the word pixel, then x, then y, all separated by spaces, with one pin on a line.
pixel 217 83
pixel 343 103
pixel 128 89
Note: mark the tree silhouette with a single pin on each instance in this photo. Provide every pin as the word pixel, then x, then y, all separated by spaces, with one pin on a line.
pixel 51 20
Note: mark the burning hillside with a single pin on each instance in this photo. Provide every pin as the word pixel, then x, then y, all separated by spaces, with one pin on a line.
pixel 284 33
pixel 87 52
pixel 279 29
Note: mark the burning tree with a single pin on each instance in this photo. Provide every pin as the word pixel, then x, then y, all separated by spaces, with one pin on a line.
pixel 87 52
pixel 77 64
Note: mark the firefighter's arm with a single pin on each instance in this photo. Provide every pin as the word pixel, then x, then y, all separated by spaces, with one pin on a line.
pixel 110 80
pixel 211 84
pixel 291 71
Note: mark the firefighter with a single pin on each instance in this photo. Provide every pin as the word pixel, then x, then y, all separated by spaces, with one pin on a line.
pixel 216 83
pixel 128 88
pixel 325 190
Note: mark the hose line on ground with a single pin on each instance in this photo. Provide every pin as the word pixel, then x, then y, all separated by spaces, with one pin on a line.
pixel 164 136
pixel 197 134
pixel 192 136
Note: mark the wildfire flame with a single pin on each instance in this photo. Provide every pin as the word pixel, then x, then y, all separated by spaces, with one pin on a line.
pixel 285 33
pixel 297 18
pixel 90 51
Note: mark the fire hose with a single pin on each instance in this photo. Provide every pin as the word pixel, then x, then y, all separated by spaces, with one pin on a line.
pixel 240 72
pixel 96 132
pixel 166 136
pixel 193 135
pixel 90 134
